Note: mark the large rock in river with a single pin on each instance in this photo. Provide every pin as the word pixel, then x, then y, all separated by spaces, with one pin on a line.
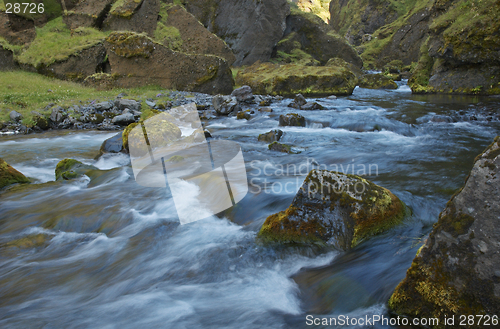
pixel 9 175
pixel 291 79
pixel 337 209
pixel 70 169
pixel 457 270
pixel 137 60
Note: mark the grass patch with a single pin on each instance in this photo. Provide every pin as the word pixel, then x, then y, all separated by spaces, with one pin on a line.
pixel 2 5
pixel 25 92
pixel 55 42
pixel 6 45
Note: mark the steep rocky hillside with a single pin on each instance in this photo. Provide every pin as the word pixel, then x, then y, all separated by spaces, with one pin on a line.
pixel 455 42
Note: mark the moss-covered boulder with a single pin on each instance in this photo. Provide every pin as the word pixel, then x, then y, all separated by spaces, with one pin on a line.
pixel 70 169
pixel 291 79
pixel 456 272
pixel 157 132
pixel 307 35
pixel 377 81
pixel 271 136
pixel 9 175
pixel 138 60
pixel 334 209
pixel 90 13
pixel 292 119
pixel 139 16
pixel 279 147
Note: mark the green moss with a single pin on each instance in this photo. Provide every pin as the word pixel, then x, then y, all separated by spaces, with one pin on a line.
pixel 377 81
pixel 30 241
pixel 289 80
pixel 275 146
pixel 124 8
pixel 131 44
pixel 63 169
pixel 278 228
pixel 168 36
pixel 9 175
pixel 55 42
pixel 6 45
pixel 51 9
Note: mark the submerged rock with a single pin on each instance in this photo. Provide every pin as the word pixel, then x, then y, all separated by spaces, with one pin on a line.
pixel 292 119
pixel 272 136
pixel 291 79
pixel 377 81
pixel 9 175
pixel 284 148
pixel 336 209
pixel 457 270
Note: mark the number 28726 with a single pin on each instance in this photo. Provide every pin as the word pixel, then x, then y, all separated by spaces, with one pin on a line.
pixel 24 8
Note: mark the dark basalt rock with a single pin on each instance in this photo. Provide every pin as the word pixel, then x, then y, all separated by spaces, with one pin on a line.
pixel 456 272
pixel 334 209
pixel 272 136
pixel 292 119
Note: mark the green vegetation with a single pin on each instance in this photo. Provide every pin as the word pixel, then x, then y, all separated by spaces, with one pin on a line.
pixel 25 92
pixel 9 175
pixel 52 9
pixel 55 42
pixel 15 49
pixel 319 8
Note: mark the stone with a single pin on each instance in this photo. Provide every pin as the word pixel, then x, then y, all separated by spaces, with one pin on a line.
pixel 284 148
pixel 243 115
pixel 41 121
pixel 291 79
pixel 271 136
pixel 265 109
pixel 130 104
pixel 85 13
pixel 192 37
pixel 123 119
pixel 9 175
pixel 137 60
pixel 235 22
pixel 377 81
pixel 310 106
pixel 243 94
pixel 455 272
pixel 111 145
pixel 68 169
pixel 57 115
pixel 15 116
pixel 300 100
pixel 103 106
pixel 292 119
pixel 224 105
pixel 133 15
pixel 336 210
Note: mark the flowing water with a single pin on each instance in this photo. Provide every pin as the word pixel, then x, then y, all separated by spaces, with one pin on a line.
pixel 116 255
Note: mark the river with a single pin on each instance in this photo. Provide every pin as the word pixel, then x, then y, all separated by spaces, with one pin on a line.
pixel 118 257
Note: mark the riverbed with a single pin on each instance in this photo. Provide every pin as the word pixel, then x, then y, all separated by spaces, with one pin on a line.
pixel 118 256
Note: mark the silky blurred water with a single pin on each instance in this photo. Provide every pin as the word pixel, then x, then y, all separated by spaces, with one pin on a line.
pixel 117 256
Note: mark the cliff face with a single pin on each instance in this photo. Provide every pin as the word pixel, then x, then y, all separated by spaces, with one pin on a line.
pixel 455 42
pixel 462 51
pixel 457 270
pixel 251 28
